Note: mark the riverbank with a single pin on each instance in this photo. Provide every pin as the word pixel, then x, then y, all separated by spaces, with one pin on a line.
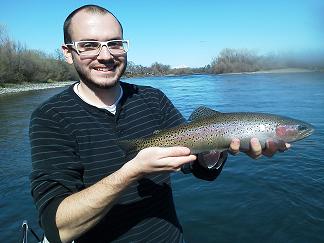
pixel 16 88
pixel 279 70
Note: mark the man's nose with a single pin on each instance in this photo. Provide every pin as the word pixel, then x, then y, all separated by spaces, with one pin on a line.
pixel 104 53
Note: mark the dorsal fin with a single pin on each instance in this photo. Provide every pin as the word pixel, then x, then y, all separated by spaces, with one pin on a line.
pixel 202 112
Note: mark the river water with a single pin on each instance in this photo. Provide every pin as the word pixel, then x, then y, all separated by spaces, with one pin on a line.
pixel 279 199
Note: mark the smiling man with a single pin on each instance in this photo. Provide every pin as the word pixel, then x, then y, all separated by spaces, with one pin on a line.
pixel 99 55
pixel 85 186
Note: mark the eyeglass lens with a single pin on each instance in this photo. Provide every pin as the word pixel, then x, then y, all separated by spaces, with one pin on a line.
pixel 117 47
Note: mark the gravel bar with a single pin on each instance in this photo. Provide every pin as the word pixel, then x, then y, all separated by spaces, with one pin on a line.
pixel 33 86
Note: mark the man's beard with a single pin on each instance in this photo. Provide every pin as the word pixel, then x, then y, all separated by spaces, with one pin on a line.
pixel 93 85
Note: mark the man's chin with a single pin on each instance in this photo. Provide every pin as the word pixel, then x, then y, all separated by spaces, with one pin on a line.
pixel 105 81
pixel 101 80
pixel 105 84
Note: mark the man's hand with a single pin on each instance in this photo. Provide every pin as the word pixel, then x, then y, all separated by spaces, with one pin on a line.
pixel 256 150
pixel 158 159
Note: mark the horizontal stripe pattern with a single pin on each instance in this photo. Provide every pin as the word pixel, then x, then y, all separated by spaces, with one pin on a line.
pixel 74 145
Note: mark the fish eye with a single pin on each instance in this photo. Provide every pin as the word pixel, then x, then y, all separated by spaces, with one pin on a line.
pixel 302 127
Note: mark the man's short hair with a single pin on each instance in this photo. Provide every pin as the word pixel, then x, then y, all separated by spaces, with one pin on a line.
pixel 90 8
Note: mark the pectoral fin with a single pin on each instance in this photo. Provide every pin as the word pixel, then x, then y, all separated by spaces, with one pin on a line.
pixel 209 159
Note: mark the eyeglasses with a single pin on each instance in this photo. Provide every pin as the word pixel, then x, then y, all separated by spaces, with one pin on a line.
pixel 93 48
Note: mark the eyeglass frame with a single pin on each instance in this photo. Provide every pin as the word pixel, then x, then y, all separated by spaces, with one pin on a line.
pixel 102 43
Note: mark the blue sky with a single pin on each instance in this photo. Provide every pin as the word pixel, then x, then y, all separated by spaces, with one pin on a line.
pixel 189 33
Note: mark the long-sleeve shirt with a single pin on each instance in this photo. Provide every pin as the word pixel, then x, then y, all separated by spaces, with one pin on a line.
pixel 74 145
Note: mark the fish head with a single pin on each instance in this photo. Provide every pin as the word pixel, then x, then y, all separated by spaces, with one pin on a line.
pixel 293 130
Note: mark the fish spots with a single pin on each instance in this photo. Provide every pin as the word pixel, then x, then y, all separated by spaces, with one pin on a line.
pixel 262 128
pixel 215 131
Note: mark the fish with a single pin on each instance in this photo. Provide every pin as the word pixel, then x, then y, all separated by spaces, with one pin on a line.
pixel 210 130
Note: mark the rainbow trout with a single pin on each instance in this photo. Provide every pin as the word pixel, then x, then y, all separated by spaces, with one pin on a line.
pixel 209 130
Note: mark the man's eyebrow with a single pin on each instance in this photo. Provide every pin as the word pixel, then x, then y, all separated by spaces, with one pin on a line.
pixel 88 40
pixel 117 38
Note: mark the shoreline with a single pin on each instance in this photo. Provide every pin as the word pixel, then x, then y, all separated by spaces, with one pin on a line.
pixel 17 88
pixel 276 71
pixel 33 86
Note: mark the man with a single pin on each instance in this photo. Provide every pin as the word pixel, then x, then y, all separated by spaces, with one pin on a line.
pixel 85 186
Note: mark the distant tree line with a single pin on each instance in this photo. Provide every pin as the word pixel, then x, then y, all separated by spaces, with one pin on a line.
pixel 243 60
pixel 159 69
pixel 235 61
pixel 19 64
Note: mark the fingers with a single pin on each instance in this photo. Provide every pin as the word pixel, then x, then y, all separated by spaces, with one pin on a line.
pixel 175 163
pixel 172 158
pixel 255 151
pixel 234 148
pixel 288 145
pixel 156 159
pixel 172 151
pixel 272 147
pixel 284 146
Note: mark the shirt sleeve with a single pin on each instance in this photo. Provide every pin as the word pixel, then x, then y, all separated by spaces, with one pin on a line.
pixel 56 169
pixel 172 117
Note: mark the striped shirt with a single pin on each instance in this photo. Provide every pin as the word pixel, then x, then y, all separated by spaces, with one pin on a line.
pixel 74 145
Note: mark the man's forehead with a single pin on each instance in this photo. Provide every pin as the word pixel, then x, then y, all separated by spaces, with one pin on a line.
pixel 84 23
pixel 84 17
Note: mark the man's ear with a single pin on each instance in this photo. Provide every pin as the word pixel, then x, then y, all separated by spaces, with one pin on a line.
pixel 67 52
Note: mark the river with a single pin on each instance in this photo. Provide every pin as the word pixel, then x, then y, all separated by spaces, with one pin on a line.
pixel 278 199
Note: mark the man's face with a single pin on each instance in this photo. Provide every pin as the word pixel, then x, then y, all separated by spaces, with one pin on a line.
pixel 103 70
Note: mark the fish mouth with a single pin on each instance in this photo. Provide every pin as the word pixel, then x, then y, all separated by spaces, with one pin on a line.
pixel 309 130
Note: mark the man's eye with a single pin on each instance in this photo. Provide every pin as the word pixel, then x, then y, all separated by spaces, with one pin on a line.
pixel 115 44
pixel 89 45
